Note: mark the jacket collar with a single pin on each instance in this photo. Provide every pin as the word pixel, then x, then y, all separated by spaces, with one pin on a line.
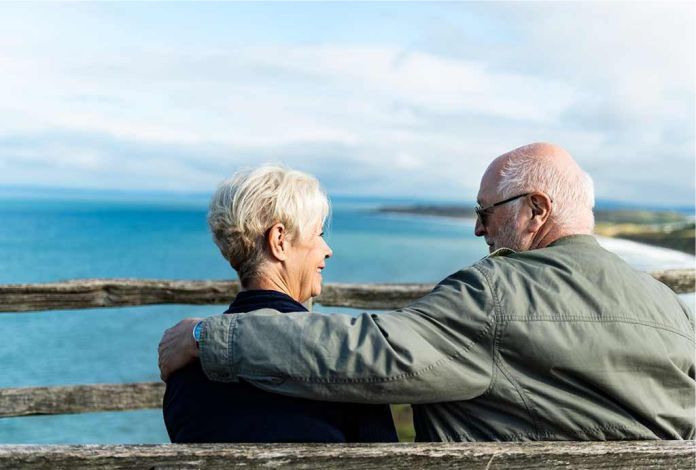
pixel 576 240
pixel 568 240
pixel 249 300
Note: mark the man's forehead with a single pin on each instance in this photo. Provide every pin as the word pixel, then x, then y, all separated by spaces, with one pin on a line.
pixel 485 194
pixel 489 181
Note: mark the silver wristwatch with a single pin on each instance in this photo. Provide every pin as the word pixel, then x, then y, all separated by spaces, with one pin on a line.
pixel 197 332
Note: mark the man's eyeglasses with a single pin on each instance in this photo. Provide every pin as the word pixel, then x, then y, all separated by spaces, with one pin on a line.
pixel 483 212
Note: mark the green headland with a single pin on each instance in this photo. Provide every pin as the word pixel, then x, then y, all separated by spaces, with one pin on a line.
pixel 668 229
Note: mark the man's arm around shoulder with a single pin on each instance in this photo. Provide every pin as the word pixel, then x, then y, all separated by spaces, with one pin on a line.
pixel 437 349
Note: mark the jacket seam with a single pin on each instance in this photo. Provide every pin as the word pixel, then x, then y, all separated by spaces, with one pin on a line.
pixel 529 406
pixel 497 360
pixel 496 334
pixel 231 343
pixel 600 320
pixel 580 432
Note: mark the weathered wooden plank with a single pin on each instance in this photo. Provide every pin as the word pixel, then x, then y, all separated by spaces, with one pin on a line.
pixel 376 296
pixel 681 281
pixel 88 398
pixel 567 455
pixel 95 293
pixel 79 398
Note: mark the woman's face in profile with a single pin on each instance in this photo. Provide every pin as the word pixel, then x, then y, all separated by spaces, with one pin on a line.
pixel 306 259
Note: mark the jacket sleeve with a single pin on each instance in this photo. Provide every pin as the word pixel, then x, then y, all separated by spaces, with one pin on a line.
pixel 437 349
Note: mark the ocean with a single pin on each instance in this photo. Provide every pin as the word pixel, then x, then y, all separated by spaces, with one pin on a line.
pixel 51 239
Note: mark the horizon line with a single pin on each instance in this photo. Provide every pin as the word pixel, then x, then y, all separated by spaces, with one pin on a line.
pixel 43 191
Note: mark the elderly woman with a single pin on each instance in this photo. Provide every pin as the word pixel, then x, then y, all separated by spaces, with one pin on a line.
pixel 268 223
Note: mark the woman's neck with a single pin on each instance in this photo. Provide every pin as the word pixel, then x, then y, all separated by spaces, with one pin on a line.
pixel 268 283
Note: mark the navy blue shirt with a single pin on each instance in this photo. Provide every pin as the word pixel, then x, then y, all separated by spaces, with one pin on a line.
pixel 199 410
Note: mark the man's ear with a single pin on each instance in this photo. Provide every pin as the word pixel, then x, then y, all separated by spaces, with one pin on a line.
pixel 540 205
pixel 277 240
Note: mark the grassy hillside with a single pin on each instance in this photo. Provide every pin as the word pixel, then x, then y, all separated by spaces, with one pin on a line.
pixel 681 238
pixel 638 217
pixel 666 229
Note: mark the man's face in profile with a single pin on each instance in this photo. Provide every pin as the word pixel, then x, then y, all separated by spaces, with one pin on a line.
pixel 500 229
pixel 498 225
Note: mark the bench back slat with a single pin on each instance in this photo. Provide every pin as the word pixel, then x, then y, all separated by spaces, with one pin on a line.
pixel 481 455
pixel 97 293
pixel 80 399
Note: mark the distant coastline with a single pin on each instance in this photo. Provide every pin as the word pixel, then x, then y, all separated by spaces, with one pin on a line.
pixel 667 229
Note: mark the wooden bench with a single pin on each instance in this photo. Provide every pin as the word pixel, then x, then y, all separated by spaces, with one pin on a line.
pixel 81 294
pixel 480 455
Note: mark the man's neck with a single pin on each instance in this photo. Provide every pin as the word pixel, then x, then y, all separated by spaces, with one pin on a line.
pixel 547 236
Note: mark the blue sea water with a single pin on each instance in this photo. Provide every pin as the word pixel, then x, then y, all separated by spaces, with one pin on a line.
pixel 46 240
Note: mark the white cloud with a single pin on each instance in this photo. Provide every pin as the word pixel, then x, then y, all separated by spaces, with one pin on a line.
pixel 611 82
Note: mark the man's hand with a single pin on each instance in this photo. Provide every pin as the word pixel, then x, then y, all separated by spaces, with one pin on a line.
pixel 177 347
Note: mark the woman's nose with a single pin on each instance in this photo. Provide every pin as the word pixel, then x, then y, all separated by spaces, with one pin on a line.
pixel 329 251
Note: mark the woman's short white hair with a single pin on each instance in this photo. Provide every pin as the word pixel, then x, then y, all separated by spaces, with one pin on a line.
pixel 249 203
pixel 572 191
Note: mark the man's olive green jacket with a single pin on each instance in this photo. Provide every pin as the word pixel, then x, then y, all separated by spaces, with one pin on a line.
pixel 564 342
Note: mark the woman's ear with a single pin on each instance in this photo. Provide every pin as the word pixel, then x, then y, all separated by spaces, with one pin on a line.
pixel 277 241
pixel 541 210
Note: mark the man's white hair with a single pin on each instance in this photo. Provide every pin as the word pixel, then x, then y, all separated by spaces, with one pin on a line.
pixel 249 203
pixel 572 191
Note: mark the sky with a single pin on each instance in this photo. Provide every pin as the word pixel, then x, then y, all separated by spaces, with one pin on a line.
pixel 376 99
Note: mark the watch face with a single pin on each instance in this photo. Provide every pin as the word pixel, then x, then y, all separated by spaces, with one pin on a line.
pixel 197 331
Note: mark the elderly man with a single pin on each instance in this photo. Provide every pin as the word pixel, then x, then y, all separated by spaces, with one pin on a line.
pixel 550 337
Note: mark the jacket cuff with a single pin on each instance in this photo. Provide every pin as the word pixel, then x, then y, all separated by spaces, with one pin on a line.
pixel 216 348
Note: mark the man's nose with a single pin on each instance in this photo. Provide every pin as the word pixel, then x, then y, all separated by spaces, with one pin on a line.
pixel 479 228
